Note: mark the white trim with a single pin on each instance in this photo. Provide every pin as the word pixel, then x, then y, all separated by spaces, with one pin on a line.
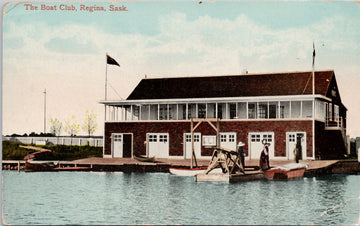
pixel 217 100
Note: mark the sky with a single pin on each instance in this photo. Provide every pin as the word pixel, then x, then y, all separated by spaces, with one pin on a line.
pixel 64 51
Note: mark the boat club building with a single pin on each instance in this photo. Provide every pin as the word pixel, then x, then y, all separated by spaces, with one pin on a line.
pixel 276 108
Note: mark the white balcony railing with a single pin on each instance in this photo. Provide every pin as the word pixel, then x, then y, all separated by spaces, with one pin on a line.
pixel 334 123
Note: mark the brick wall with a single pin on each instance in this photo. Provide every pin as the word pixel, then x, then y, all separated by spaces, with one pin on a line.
pixel 177 129
pixel 329 143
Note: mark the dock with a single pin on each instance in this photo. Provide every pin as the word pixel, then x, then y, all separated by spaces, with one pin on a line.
pixel 316 167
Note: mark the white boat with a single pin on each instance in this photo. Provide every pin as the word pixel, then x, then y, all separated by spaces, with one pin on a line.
pixel 192 172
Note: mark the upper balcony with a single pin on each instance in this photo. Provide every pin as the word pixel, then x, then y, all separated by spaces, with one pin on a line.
pixel 284 107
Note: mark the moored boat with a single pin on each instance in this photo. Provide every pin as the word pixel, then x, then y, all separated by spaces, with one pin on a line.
pixel 143 158
pixel 286 171
pixel 192 171
pixel 33 166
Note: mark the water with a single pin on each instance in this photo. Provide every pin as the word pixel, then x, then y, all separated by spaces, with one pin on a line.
pixel 158 198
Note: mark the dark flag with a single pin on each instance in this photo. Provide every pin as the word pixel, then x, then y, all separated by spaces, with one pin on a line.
pixel 111 60
pixel 313 54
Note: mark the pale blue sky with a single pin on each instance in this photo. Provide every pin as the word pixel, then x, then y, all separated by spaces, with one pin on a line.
pixel 64 51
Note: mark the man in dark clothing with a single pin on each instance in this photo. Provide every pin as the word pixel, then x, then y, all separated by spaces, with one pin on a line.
pixel 241 153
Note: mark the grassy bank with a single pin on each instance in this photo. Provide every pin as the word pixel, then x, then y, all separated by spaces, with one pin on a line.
pixel 13 151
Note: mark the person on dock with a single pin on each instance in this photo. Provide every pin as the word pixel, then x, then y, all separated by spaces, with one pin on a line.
pixel 241 153
pixel 264 158
pixel 296 154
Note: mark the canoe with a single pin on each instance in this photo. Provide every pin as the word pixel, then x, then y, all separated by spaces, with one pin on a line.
pixel 191 172
pixel 34 166
pixel 143 158
pixel 286 172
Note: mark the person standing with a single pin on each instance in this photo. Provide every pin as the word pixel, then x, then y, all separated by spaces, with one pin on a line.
pixel 241 153
pixel 264 158
pixel 296 154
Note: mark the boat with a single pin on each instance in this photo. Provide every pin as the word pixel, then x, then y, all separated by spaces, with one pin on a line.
pixel 192 171
pixel 34 166
pixel 143 158
pixel 286 171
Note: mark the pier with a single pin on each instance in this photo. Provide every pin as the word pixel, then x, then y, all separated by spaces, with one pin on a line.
pixel 316 167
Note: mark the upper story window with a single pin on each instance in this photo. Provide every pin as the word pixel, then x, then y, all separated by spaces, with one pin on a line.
pixel 293 109
pixel 201 110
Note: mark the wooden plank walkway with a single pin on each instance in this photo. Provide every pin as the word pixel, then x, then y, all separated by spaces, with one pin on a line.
pixel 316 167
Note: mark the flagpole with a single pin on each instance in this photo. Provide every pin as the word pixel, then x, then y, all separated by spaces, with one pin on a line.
pixel 105 103
pixel 313 92
pixel 44 111
pixel 106 76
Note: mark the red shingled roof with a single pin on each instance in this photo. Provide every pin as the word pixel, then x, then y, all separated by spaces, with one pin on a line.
pixel 274 84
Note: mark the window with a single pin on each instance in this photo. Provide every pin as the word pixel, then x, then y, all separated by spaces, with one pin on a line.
pixel 163 112
pixel 295 109
pixel 144 112
pixel 182 111
pixel 284 109
pixel 263 110
pixel 232 110
pixel 267 138
pixel 231 138
pixel 136 112
pixel 307 109
pixel 241 111
pixel 163 138
pixel 221 110
pixel 154 112
pixel 336 112
pixel 152 138
pixel 172 112
pixel 273 106
pixel 201 110
pixel 211 110
pixel 191 111
pixel 292 138
pixel 117 138
pixel 196 138
pixel 255 138
pixel 252 110
pixel 223 138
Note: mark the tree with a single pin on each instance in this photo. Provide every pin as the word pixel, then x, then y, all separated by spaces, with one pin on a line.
pixel 55 126
pixel 71 127
pixel 90 124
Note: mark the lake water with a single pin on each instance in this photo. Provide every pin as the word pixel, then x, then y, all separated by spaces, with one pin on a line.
pixel 158 198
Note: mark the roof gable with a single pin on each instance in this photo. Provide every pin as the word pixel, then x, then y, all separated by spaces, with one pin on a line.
pixel 274 84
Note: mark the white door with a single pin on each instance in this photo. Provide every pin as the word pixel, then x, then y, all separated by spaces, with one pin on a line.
pixel 188 145
pixel 158 145
pixel 256 144
pixel 228 140
pixel 292 138
pixel 117 144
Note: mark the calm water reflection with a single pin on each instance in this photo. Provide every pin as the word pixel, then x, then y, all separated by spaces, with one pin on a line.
pixel 159 198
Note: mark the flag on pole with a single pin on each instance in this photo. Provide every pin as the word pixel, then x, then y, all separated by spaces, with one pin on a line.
pixel 313 63
pixel 111 60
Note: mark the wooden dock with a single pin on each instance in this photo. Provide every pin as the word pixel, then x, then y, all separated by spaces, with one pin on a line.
pixel 317 167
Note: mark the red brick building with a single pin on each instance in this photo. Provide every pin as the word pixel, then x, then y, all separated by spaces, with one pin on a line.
pixel 279 108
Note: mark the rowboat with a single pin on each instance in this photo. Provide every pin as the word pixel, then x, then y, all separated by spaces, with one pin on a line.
pixel 192 171
pixel 33 166
pixel 286 171
pixel 143 158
